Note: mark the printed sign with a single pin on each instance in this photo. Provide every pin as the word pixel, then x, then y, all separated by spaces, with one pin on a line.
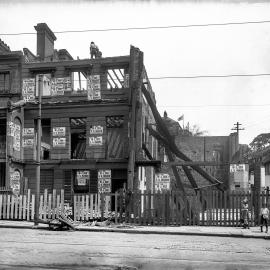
pixel 10 128
pixel 17 137
pixel 28 132
pixel 93 87
pixel 28 90
pixel 238 168
pixel 60 85
pixel 126 81
pixel 162 182
pixel 95 141
pixel 15 178
pixel 82 177
pixel 59 142
pixel 59 131
pixel 104 181
pixel 96 130
pixel 28 143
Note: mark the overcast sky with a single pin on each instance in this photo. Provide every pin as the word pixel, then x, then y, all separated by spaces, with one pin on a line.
pixel 214 104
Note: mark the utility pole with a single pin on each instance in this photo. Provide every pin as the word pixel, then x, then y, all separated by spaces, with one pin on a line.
pixel 38 151
pixel 237 127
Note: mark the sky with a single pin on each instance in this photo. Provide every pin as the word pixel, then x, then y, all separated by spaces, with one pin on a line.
pixel 214 104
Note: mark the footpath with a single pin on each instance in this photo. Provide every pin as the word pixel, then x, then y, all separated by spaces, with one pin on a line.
pixel 253 232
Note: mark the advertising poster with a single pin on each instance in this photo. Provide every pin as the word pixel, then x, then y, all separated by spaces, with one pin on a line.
pixel 83 177
pixel 96 130
pixel 104 181
pixel 59 142
pixel 93 87
pixel 15 178
pixel 28 90
pixel 28 132
pixel 95 141
pixel 17 137
pixel 162 182
pixel 60 85
pixel 59 131
pixel 28 143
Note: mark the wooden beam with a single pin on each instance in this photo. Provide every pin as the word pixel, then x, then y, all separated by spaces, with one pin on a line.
pixel 197 163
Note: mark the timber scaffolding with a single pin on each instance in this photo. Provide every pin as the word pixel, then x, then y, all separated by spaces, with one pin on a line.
pixel 162 134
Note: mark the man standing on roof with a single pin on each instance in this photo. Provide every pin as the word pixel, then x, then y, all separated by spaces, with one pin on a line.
pixel 94 50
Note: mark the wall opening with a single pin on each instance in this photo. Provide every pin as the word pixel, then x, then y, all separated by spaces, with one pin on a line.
pixel 78 138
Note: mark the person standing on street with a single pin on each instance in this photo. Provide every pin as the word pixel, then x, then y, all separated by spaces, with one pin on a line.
pixel 264 214
pixel 245 214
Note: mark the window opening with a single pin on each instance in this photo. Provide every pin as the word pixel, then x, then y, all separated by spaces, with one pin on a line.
pixel 3 138
pixel 45 138
pixel 78 138
pixel 79 81
pixel 4 82
pixel 115 78
pixel 115 137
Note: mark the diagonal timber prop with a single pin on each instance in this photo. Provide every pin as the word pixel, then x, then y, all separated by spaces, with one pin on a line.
pixel 169 142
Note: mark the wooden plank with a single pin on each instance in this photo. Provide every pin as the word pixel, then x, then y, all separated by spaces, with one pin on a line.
pixel 98 205
pixel 33 207
pixel 87 207
pixel 16 207
pixel 12 207
pixel 225 198
pixel 5 206
pixel 20 206
pixel 83 208
pixel 62 200
pixel 50 206
pixel 28 203
pixel 75 207
pixel 24 207
pixel 91 205
pixel 220 208
pixel 41 208
pixel 101 207
pixel 46 204
pixel 54 208
pixel 58 205
pixel 8 206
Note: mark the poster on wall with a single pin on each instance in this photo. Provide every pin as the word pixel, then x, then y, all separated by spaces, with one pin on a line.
pixel 96 130
pixel 59 142
pixel 93 87
pixel 104 181
pixel 83 177
pixel 59 131
pixel 28 132
pixel 10 128
pixel 28 143
pixel 95 141
pixel 126 81
pixel 17 137
pixel 15 178
pixel 162 182
pixel 28 90
pixel 60 85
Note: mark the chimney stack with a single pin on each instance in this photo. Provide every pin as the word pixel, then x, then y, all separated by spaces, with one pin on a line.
pixel 45 42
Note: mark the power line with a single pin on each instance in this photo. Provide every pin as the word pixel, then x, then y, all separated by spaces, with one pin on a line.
pixel 210 76
pixel 215 105
pixel 143 28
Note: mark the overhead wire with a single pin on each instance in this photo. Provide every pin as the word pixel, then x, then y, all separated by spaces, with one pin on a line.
pixel 144 28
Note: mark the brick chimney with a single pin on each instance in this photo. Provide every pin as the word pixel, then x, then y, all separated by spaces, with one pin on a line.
pixel 45 42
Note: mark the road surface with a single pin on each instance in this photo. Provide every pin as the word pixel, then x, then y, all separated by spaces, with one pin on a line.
pixel 41 249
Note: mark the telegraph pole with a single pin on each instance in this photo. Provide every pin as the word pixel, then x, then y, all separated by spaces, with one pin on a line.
pixel 237 127
pixel 38 151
